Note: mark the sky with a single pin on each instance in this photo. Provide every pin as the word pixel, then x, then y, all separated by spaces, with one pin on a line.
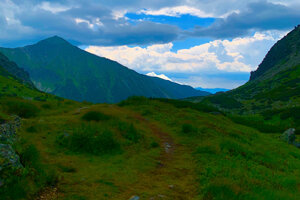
pixel 202 43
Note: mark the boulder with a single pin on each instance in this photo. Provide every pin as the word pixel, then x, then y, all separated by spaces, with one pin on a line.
pixel 134 198
pixel 9 158
pixel 289 136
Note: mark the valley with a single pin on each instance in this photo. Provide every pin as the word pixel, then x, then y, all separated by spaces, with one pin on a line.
pixel 80 127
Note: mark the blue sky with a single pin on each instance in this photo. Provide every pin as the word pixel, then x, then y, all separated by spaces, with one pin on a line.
pixel 201 43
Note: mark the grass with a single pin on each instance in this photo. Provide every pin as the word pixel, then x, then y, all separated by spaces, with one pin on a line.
pixel 95 116
pixel 114 152
pixel 88 139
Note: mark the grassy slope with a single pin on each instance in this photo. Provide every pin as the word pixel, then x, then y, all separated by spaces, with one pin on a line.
pixel 209 157
pixel 60 68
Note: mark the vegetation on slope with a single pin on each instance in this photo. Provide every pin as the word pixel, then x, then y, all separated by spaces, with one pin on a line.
pixel 141 147
pixel 62 69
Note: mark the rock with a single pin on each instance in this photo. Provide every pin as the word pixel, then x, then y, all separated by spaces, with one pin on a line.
pixel 9 158
pixel 8 130
pixel 134 198
pixel 297 145
pixel 171 186
pixel 167 147
pixel 289 136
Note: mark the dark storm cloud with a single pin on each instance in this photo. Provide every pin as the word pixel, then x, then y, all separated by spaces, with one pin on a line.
pixel 94 22
pixel 259 16
pixel 87 23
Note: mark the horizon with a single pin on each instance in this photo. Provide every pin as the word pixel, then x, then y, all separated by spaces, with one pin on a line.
pixel 178 41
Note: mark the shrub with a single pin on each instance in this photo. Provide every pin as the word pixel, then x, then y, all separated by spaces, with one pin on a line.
pixel 225 101
pixel 257 123
pixel 95 116
pixel 220 191
pixel 135 100
pixel 87 139
pixel 234 149
pixel 32 129
pixel 21 108
pixel 206 150
pixel 129 132
pixel 47 106
pixel 202 107
pixel 188 129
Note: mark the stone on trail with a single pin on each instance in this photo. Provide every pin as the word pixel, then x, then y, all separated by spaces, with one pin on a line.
pixel 134 198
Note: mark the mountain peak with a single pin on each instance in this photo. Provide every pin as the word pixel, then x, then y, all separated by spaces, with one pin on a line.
pixel 54 40
pixel 282 55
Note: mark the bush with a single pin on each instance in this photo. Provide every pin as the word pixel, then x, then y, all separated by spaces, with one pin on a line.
pixel 188 129
pixel 95 116
pixel 224 101
pixel 206 150
pixel 257 123
pixel 220 191
pixel 22 183
pixel 135 100
pixel 32 129
pixel 202 107
pixel 234 149
pixel 21 108
pixel 86 139
pixel 129 132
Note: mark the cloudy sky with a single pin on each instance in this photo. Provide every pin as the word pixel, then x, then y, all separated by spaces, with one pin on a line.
pixel 203 43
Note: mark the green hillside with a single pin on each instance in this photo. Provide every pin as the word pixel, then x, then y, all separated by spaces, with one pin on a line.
pixel 14 70
pixel 57 67
pixel 14 82
pixel 141 147
pixel 274 85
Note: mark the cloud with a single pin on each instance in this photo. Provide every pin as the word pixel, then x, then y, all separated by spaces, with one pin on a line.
pixel 176 12
pixel 162 76
pixel 240 55
pixel 258 16
pixel 101 22
pixel 88 23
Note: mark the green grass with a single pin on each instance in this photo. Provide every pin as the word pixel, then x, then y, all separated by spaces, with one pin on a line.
pixel 115 157
pixel 95 116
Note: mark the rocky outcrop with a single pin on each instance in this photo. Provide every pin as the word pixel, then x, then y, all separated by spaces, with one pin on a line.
pixel 9 159
pixel 289 136
pixel 8 131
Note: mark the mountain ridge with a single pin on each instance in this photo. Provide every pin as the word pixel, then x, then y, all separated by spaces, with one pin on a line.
pixel 58 67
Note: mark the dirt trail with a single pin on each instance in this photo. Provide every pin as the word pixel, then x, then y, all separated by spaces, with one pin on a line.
pixel 49 193
pixel 171 179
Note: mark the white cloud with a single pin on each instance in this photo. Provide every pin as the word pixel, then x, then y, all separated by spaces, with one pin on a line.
pixel 52 7
pixel 176 11
pixel 238 55
pixel 219 56
pixel 162 76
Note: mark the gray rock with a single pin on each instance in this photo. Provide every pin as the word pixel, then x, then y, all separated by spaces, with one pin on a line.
pixel 9 157
pixel 134 198
pixel 289 136
pixel 8 130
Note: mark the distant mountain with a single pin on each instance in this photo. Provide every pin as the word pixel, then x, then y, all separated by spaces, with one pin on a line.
pixel 212 90
pixel 274 85
pixel 57 67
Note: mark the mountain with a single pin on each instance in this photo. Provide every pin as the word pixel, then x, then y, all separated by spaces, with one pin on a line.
pixel 212 90
pixel 12 69
pixel 274 85
pixel 57 67
pixel 15 82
